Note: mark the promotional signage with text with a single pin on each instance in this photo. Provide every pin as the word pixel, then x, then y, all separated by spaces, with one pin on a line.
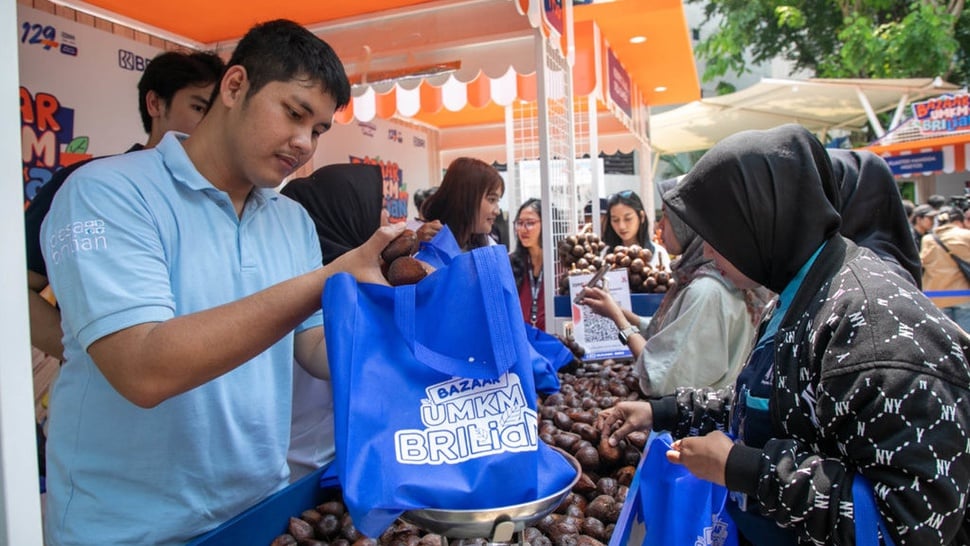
pixel 619 84
pixel 916 163
pixel 943 115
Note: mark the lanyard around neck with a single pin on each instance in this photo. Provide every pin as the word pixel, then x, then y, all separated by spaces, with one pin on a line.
pixel 534 285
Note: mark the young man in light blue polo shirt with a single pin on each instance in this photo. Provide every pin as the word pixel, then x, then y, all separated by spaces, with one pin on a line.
pixel 189 286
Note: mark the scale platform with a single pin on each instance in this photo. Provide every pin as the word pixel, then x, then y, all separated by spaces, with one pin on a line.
pixel 497 525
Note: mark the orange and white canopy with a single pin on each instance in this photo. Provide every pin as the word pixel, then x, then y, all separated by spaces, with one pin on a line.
pixel 492 40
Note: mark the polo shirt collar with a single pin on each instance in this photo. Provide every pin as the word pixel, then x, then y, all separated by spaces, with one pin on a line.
pixel 185 173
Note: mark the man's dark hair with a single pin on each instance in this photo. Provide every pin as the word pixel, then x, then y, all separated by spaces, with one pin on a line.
pixel 172 71
pixel 948 215
pixel 282 50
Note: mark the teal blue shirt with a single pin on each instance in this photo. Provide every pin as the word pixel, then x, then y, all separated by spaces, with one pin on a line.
pixel 786 297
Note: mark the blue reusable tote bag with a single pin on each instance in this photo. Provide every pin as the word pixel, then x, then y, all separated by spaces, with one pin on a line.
pixel 549 354
pixel 434 396
pixel 869 525
pixel 629 527
pixel 678 507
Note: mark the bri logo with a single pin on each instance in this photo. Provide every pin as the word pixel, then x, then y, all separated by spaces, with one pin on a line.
pixel 128 60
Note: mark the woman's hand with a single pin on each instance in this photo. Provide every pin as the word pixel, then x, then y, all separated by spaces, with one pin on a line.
pixel 602 303
pixel 428 230
pixel 625 417
pixel 705 456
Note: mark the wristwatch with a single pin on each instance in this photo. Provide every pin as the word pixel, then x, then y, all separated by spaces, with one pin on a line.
pixel 626 333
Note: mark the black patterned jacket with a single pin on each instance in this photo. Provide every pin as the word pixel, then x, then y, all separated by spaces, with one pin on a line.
pixel 869 377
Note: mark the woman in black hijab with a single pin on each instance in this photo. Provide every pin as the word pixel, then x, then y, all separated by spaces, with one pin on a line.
pixel 345 202
pixel 855 373
pixel 872 210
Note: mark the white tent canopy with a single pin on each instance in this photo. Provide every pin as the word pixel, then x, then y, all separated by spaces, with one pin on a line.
pixel 820 105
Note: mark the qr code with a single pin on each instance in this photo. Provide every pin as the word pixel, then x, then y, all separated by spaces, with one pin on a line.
pixel 597 328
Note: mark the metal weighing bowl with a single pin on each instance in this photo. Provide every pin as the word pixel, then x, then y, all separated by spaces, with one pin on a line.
pixel 480 523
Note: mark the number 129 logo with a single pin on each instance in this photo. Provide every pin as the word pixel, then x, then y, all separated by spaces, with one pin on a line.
pixel 45 36
pixel 39 34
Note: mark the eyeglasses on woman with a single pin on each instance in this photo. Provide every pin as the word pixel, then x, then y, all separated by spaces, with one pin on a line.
pixel 526 224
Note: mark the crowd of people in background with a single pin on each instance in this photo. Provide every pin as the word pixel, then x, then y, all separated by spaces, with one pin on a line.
pixel 940 231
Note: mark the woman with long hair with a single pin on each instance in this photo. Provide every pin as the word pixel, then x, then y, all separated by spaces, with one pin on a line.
pixel 467 201
pixel 627 225
pixel 526 261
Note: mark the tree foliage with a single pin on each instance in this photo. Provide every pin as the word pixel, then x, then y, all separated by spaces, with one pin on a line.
pixel 672 165
pixel 839 38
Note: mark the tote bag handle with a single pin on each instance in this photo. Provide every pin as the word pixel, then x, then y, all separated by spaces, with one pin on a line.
pixel 867 518
pixel 440 250
pixel 496 313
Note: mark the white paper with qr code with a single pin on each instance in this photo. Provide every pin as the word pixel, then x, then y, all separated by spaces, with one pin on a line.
pixel 599 335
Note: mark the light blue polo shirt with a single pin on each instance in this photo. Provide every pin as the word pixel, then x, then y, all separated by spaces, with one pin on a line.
pixel 143 237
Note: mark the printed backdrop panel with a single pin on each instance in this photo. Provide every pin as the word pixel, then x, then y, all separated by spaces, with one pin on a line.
pixel 404 153
pixel 79 99
pixel 78 93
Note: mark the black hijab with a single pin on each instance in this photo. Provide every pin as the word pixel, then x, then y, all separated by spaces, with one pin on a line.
pixel 763 200
pixel 872 210
pixel 345 202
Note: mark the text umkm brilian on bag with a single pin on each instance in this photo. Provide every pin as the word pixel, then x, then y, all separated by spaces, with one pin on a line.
pixel 469 418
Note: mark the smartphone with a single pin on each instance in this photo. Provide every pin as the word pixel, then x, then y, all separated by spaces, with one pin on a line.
pixel 596 281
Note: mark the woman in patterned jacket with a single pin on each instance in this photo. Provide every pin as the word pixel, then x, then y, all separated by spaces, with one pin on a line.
pixel 854 372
